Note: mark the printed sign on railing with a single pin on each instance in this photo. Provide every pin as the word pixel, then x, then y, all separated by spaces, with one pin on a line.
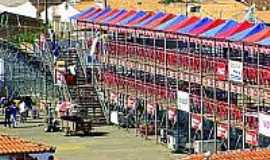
pixel 264 124
pixel 252 138
pixel 236 71
pixel 196 122
pixel 183 101
pixel 221 71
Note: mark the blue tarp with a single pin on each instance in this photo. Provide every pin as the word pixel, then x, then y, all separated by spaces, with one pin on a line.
pixel 265 42
pixel 150 19
pixel 92 18
pixel 195 25
pixel 219 29
pixel 108 19
pixel 171 22
pixel 248 32
pixel 132 18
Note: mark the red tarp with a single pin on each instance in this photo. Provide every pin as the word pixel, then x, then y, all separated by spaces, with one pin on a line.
pixel 112 12
pixel 238 28
pixel 149 14
pixel 123 16
pixel 159 21
pixel 207 27
pixel 90 13
pixel 183 24
pixel 259 36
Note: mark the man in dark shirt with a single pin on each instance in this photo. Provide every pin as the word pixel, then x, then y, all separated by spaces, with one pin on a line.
pixel 7 115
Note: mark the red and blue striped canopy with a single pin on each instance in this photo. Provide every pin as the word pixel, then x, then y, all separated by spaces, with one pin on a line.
pixel 179 24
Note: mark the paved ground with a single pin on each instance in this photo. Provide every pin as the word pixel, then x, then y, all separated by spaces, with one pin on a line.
pixel 110 144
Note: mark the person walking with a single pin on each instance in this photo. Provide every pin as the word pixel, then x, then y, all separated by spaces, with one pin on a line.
pixel 22 111
pixel 7 121
pixel 13 112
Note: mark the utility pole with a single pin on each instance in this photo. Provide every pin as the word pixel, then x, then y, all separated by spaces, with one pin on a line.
pixel 46 13
pixel 105 3
pixel 187 7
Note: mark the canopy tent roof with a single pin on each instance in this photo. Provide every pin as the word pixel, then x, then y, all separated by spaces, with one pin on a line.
pixel 183 24
pixel 195 25
pixel 139 20
pixel 159 21
pixel 122 17
pixel 178 24
pixel 259 36
pixel 109 14
pixel 150 19
pixel 248 32
pixel 89 13
pixel 99 14
pixel 171 22
pixel 238 28
pixel 132 18
pixel 219 29
pixel 114 16
pixel 76 16
pixel 207 27
pixel 265 42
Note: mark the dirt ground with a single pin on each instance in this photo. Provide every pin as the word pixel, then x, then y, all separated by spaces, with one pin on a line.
pixel 108 143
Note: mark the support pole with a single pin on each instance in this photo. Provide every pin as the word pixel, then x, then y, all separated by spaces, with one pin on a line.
pixel 243 104
pixel 215 98
pixel 201 94
pixel 259 87
pixel 229 102
pixel 189 92
pixel 155 98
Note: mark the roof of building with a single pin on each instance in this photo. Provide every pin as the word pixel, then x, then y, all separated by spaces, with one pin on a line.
pixel 13 3
pixel 11 145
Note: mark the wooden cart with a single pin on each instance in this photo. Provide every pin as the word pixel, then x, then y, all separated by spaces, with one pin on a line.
pixel 73 125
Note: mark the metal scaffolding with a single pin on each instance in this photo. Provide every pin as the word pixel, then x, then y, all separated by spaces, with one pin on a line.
pixel 148 71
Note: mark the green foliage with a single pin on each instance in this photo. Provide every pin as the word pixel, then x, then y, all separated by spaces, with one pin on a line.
pixel 168 1
pixel 28 37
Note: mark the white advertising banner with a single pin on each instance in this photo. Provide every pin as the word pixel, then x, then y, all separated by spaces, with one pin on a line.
pixel 264 124
pixel 183 101
pixel 114 117
pixel 235 71
pixel 2 69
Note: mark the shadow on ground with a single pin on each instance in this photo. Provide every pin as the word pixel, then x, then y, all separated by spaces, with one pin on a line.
pixel 92 134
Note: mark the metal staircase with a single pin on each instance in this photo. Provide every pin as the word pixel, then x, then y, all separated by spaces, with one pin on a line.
pixel 83 93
